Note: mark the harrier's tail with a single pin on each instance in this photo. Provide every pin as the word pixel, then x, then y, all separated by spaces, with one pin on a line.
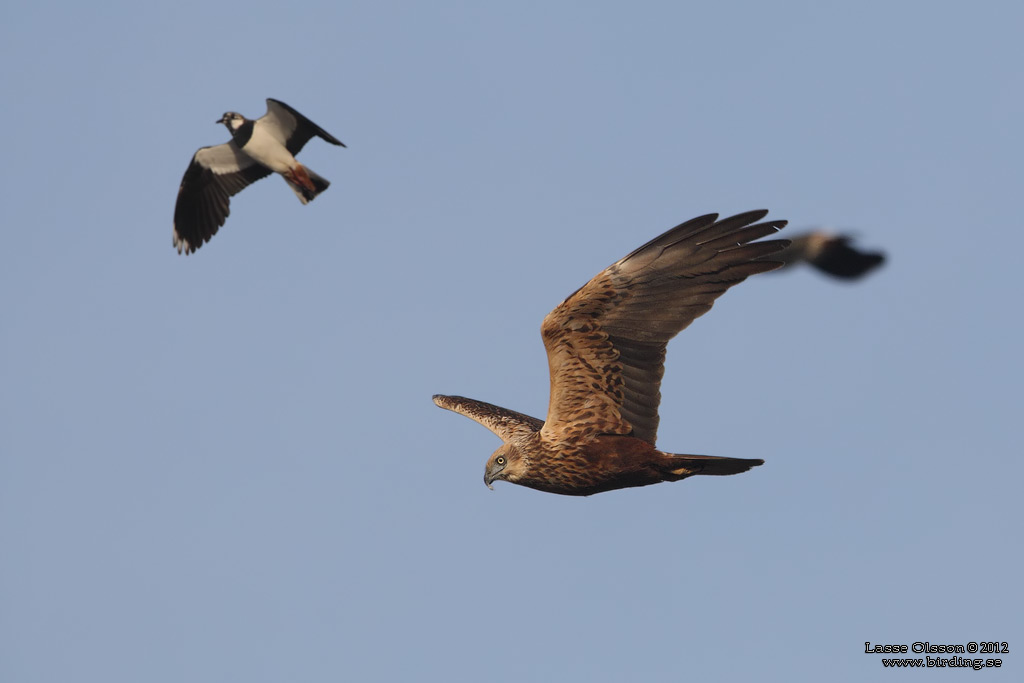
pixel 682 466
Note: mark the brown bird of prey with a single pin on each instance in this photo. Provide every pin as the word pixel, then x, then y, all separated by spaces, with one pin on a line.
pixel 830 253
pixel 606 352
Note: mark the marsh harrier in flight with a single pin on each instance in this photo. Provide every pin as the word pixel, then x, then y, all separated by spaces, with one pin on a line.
pixel 606 352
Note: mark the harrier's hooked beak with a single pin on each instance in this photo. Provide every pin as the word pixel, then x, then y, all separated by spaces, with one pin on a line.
pixel 487 480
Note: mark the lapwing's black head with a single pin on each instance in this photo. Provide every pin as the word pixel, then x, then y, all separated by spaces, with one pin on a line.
pixel 233 120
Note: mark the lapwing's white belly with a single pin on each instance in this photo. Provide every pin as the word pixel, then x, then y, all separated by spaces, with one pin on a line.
pixel 267 150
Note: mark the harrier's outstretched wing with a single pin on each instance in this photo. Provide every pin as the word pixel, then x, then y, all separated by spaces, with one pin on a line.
pixel 606 342
pixel 830 253
pixel 507 424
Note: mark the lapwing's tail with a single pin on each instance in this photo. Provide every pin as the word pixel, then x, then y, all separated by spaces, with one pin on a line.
pixel 305 183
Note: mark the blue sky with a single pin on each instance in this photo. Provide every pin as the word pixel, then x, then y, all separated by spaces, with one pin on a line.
pixel 228 466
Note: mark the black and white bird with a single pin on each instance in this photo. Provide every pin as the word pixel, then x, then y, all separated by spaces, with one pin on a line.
pixel 257 149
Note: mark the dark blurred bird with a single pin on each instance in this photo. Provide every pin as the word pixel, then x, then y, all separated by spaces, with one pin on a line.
pixel 830 253
pixel 257 149
pixel 606 351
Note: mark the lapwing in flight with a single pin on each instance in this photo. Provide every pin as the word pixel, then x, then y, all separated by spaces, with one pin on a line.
pixel 257 149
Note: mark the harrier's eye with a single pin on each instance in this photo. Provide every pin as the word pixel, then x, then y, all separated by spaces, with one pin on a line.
pixel 500 460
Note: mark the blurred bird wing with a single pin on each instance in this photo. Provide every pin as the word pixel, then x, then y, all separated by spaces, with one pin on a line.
pixel 507 424
pixel 606 342
pixel 830 253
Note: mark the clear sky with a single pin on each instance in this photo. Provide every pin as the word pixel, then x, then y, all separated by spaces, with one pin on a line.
pixel 227 467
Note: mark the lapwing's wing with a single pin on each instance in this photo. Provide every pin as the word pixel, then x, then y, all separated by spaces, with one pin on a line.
pixel 215 174
pixel 606 342
pixel 292 129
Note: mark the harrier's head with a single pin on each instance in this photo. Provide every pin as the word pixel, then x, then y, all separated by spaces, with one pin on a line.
pixel 505 463
pixel 232 120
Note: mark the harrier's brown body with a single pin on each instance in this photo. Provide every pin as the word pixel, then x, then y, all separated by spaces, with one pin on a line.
pixel 606 351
